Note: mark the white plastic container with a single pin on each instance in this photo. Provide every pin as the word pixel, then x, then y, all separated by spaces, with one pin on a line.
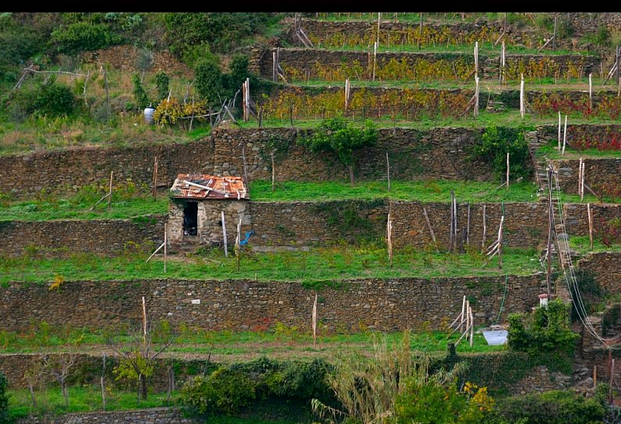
pixel 148 115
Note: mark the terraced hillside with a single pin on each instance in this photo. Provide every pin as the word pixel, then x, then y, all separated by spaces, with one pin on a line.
pixel 471 188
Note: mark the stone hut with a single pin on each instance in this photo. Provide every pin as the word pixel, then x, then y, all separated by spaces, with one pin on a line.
pixel 198 203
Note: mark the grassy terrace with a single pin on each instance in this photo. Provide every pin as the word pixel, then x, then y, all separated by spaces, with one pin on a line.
pixel 138 205
pixel 274 340
pixel 316 267
pixel 485 49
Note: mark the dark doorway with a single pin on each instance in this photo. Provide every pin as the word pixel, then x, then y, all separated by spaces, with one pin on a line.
pixel 190 219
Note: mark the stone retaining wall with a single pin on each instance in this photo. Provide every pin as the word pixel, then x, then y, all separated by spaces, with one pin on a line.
pixel 384 304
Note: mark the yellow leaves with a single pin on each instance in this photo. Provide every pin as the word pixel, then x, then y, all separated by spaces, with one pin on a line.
pixel 169 111
pixel 57 283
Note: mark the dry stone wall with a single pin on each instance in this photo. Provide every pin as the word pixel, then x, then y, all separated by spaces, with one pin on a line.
pixel 607 269
pixel 601 174
pixel 383 304
pixel 80 236
pixel 139 416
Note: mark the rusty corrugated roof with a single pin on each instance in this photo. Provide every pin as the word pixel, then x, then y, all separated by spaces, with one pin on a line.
pixel 201 187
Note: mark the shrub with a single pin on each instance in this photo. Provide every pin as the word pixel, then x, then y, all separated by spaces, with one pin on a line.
pixel 83 36
pixel 553 407
pixel 4 400
pixel 49 99
pixel 162 82
pixel 224 391
pixel 209 81
pixel 547 330
pixel 140 95
pixel 494 145
pixel 342 139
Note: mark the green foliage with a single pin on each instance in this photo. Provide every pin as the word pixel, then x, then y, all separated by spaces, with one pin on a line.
pixel 209 81
pixel 433 402
pixel 18 43
pixel 547 330
pixel 223 31
pixel 237 74
pixel 4 399
pixel 140 95
pixel 342 139
pixel 83 36
pixel 224 391
pixel 602 36
pixel 162 82
pixel 552 407
pixel 49 98
pixel 495 143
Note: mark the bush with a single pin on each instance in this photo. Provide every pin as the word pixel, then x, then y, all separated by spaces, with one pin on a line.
pixel 553 407
pixel 162 82
pixel 209 81
pixel 494 145
pixel 224 391
pixel 342 139
pixel 547 330
pixel 49 99
pixel 4 400
pixel 140 95
pixel 83 36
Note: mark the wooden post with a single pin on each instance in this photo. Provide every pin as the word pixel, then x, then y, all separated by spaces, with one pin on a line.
pixel 110 191
pixel 102 382
pixel 471 328
pixel 389 237
pixel 500 240
pixel 580 183
pixel 433 236
pixel 455 222
pixel 379 21
pixel 554 33
pixel 450 246
pixel 468 227
pixel 226 250
pixel 105 75
pixel 522 107
pixel 550 220
pixel 590 92
pixel 463 313
pixel 476 96
pixel 618 61
pixel 347 91
pixel 274 67
pixel 388 170
pixel 314 321
pixel 273 171
pixel 612 376
pixel 507 170
pixel 476 58
pixel 484 228
pixel 564 136
pixel 590 218
pixel 559 130
pixel 165 248
pixel 244 163
pixel 503 61
pixel 594 376
pixel 144 321
pixel 155 178
pixel 238 242
pixel 374 58
pixel 420 30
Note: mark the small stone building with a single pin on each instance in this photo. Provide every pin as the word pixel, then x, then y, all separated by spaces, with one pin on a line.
pixel 198 200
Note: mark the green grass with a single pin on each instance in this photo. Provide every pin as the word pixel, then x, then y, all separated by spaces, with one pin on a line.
pixel 508 118
pixel 319 265
pixel 424 191
pixel 485 49
pixel 81 399
pixel 267 340
pixel 72 208
pixel 551 151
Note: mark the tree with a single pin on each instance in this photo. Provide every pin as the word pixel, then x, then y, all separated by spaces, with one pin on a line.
pixel 58 367
pixel 138 357
pixel 209 81
pixel 162 82
pixel 339 138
